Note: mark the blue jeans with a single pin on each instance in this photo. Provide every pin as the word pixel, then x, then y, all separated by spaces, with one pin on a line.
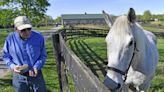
pixel 24 83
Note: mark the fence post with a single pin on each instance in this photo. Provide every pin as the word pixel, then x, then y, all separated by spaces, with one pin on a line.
pixel 63 83
pixel 57 53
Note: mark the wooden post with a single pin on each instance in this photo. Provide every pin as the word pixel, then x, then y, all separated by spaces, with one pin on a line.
pixel 63 83
pixel 57 53
pixel 65 86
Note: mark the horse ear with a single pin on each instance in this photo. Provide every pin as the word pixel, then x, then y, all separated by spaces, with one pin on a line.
pixel 107 18
pixel 131 15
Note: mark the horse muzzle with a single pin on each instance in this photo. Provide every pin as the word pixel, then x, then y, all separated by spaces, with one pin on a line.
pixel 112 85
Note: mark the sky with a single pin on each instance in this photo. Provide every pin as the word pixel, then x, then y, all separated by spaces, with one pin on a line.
pixel 114 7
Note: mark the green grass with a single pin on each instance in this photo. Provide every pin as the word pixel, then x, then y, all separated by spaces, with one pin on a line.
pixel 152 29
pixel 158 81
pixel 5 83
pixel 43 28
pixel 2 38
pixel 50 70
pixel 92 51
pixel 157 23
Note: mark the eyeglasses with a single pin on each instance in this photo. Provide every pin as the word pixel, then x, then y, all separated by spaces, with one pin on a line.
pixel 27 29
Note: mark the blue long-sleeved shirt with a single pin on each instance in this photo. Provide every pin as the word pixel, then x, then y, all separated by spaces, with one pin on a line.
pixel 30 51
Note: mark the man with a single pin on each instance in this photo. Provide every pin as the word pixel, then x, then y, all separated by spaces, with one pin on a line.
pixel 24 53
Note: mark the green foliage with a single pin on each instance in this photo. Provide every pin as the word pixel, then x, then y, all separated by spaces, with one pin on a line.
pixel 34 9
pixel 3 35
pixel 7 16
pixel 147 15
pixel 140 18
pixel 28 7
pixel 44 21
pixel 57 20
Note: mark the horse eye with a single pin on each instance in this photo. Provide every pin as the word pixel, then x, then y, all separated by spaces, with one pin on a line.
pixel 130 44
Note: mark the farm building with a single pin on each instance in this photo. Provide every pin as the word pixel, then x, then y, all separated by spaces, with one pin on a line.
pixel 72 19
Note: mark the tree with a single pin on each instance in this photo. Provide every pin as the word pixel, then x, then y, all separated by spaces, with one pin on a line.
pixel 57 20
pixel 47 20
pixel 160 17
pixel 140 18
pixel 34 9
pixel 7 16
pixel 147 15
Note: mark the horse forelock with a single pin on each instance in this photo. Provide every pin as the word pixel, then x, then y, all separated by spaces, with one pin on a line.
pixel 121 27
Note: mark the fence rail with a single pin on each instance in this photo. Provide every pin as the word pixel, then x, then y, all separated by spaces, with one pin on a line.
pixel 84 79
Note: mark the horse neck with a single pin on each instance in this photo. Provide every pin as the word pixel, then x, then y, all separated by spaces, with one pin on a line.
pixel 141 43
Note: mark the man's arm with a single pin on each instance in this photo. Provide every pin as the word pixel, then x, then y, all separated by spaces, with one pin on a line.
pixel 7 57
pixel 9 60
pixel 42 58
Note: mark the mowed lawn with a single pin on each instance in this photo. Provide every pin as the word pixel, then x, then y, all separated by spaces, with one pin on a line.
pixel 92 51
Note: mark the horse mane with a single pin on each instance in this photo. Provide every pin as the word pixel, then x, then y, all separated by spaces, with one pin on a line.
pixel 121 27
pixel 142 42
pixel 140 37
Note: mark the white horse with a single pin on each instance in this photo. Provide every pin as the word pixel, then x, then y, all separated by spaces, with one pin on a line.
pixel 132 54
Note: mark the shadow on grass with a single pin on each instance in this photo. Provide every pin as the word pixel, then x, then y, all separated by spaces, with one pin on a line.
pixel 50 64
pixel 86 54
pixel 81 53
pixel 161 53
pixel 94 57
pixel 157 87
pixel 5 82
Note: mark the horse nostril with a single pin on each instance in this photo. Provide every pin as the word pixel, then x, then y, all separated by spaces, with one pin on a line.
pixel 130 43
pixel 119 86
pixel 111 84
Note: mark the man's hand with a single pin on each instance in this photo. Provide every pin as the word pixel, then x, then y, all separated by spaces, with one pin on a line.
pixel 33 73
pixel 18 68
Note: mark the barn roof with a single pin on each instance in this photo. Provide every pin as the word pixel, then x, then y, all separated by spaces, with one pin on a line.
pixel 81 16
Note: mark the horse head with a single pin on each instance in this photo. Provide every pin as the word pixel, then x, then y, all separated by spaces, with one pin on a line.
pixel 121 46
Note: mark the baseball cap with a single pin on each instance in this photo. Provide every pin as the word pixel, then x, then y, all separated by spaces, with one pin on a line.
pixel 22 22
